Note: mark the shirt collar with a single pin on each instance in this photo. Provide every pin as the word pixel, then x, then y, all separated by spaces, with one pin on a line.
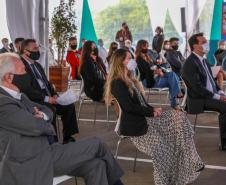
pixel 199 57
pixel 28 61
pixel 13 93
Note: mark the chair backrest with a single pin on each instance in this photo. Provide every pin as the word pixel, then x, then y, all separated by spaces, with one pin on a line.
pixel 69 74
pixel 183 102
pixel 224 63
pixel 215 60
pixel 81 87
pixel 117 127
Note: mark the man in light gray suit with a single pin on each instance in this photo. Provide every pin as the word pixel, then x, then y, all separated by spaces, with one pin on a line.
pixel 28 155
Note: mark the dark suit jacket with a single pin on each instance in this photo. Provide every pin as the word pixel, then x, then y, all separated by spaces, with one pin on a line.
pixel 157 42
pixel 35 93
pixel 145 71
pixel 133 122
pixel 24 146
pixel 175 59
pixel 195 78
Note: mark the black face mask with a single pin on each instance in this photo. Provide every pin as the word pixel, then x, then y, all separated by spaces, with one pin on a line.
pixel 22 82
pixel 95 52
pixel 175 47
pixel 34 55
pixel 74 46
pixel 114 48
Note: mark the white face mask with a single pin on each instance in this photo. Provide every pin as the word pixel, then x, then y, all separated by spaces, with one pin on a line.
pixel 132 65
pixel 206 48
pixel 222 47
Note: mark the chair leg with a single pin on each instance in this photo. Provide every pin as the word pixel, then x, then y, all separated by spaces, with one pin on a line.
pixel 107 115
pixel 167 97
pixel 95 112
pixel 196 117
pixel 58 128
pixel 79 109
pixel 76 182
pixel 149 91
pixel 160 96
pixel 117 148
pixel 135 162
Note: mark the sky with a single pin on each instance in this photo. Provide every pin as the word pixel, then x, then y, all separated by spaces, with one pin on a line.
pixel 95 6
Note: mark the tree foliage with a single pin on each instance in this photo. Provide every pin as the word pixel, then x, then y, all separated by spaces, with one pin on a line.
pixel 134 12
pixel 63 25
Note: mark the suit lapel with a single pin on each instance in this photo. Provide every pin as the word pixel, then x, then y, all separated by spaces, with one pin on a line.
pixel 199 66
pixel 30 72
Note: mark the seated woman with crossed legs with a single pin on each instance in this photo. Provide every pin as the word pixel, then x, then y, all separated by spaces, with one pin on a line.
pixel 166 136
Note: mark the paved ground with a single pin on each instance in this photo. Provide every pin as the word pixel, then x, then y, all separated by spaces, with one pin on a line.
pixel 206 139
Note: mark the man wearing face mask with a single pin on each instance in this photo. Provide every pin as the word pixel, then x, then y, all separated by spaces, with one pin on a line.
pixel 26 145
pixel 203 92
pixel 174 57
pixel 5 48
pixel 40 90
pixel 73 56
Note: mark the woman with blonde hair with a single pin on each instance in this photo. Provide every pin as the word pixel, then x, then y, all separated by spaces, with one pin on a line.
pixel 166 136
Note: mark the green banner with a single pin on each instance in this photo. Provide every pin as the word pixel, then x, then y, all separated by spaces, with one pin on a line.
pixel 87 27
pixel 215 34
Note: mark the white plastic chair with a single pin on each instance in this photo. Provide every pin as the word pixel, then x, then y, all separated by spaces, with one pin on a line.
pixel 122 137
pixel 58 180
pixel 160 92
pixel 83 98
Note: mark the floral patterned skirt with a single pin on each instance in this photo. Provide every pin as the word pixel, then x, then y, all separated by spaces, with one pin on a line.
pixel 169 142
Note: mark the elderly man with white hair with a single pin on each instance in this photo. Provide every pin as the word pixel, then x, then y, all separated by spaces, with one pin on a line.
pixel 27 152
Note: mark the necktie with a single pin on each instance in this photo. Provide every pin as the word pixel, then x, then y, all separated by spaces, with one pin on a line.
pixel 38 76
pixel 210 76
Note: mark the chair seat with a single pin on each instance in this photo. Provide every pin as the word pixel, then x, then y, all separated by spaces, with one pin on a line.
pixel 160 89
pixel 58 180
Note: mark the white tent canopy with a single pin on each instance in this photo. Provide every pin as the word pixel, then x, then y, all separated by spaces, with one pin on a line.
pixel 158 10
pixel 29 19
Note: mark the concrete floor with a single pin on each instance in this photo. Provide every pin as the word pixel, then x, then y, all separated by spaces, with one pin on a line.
pixel 206 139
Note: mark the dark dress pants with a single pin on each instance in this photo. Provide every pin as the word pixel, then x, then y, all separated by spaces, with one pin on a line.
pixel 68 117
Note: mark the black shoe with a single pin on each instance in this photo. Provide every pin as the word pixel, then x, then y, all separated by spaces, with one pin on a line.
pixel 201 167
pixel 222 146
pixel 68 140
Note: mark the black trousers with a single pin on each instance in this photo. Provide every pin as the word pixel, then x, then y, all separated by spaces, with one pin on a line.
pixel 218 106
pixel 68 117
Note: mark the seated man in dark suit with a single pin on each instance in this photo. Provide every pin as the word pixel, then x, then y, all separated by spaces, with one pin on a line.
pixel 174 57
pixel 27 154
pixel 40 90
pixel 203 92
pixel 5 48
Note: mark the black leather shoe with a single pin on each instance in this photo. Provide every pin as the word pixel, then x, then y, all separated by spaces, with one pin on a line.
pixel 202 167
pixel 222 146
pixel 68 140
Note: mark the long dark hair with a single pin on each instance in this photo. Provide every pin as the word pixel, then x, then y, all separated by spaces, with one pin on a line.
pixel 111 51
pixel 86 55
pixel 86 52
